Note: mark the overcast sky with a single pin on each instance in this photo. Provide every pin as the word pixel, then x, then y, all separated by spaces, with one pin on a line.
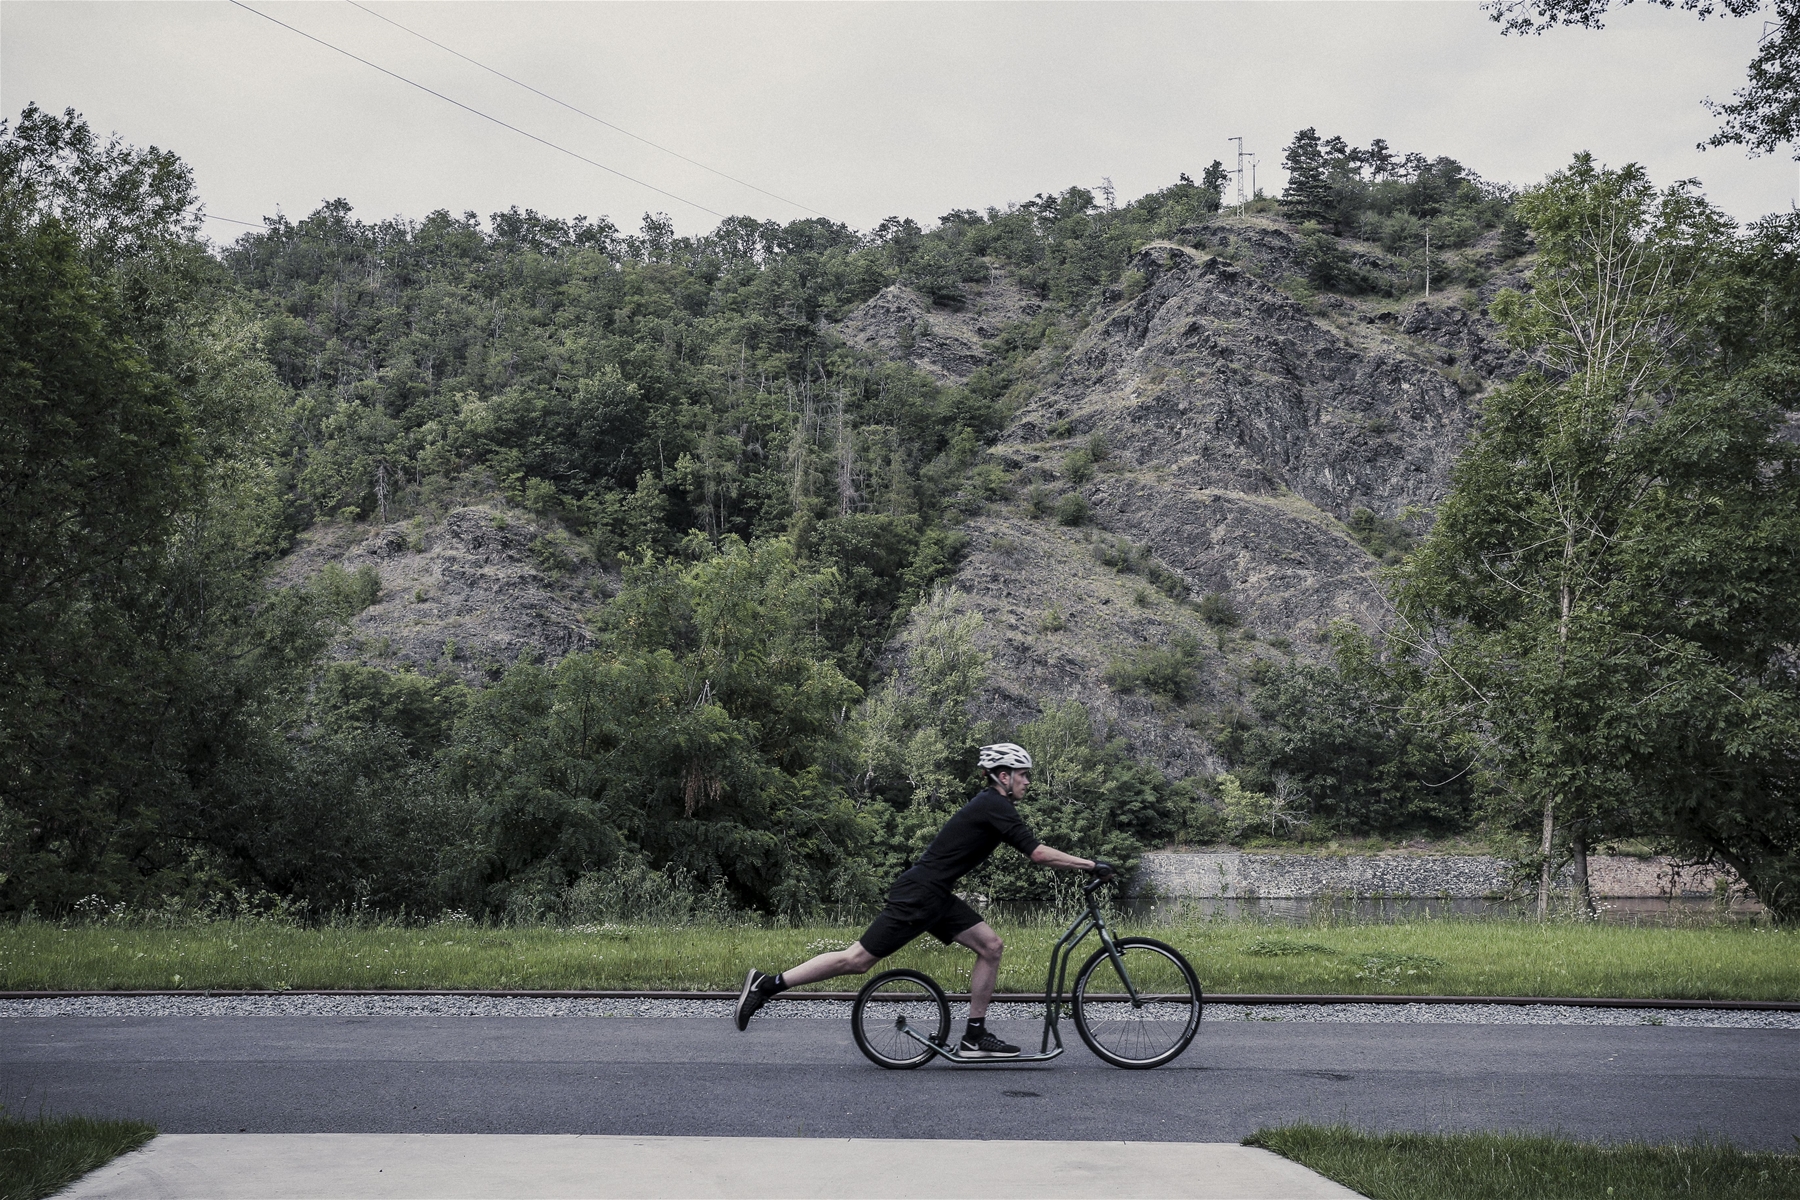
pixel 859 111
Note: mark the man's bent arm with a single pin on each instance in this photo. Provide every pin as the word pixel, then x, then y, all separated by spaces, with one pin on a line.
pixel 1056 858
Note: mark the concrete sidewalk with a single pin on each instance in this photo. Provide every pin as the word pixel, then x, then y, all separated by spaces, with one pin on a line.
pixel 354 1166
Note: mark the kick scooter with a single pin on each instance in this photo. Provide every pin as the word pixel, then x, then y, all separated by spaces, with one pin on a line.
pixel 1136 1003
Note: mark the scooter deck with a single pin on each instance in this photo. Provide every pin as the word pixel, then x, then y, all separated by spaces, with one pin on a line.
pixel 951 1055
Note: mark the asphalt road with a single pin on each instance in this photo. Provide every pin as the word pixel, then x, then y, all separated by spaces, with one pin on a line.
pixel 788 1078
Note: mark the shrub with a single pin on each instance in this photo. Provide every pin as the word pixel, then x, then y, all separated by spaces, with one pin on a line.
pixel 1168 671
pixel 348 592
pixel 1386 539
pixel 551 553
pixel 1217 610
pixel 1072 509
pixel 633 891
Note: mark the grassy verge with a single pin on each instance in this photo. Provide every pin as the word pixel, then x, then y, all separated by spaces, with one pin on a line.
pixel 43 1156
pixel 1451 957
pixel 1501 1166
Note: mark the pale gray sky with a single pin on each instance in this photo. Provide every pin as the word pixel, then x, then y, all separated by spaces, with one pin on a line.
pixel 861 110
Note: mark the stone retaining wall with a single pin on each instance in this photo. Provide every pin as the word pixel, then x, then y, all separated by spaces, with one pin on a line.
pixel 1232 874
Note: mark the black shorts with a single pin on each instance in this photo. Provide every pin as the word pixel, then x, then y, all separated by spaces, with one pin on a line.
pixel 911 911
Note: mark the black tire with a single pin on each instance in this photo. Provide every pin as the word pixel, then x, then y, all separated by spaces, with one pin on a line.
pixel 886 999
pixel 1148 1034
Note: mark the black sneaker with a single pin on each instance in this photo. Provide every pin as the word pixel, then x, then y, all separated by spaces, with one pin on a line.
pixel 752 997
pixel 985 1045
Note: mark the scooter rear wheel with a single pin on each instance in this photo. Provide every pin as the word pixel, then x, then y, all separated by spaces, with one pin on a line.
pixel 890 1004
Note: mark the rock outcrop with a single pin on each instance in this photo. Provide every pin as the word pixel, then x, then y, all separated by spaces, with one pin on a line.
pixel 1229 385
pixel 1054 618
pixel 482 588
pixel 1237 428
pixel 946 343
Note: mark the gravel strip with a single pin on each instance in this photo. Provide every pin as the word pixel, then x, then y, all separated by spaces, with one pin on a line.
pixel 837 1010
pixel 1502 1014
pixel 390 1006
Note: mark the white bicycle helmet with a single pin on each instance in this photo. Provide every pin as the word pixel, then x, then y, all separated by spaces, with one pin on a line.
pixel 1005 757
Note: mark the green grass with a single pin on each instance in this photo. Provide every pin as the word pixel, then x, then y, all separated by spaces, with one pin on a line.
pixel 42 1156
pixel 1446 956
pixel 1502 1166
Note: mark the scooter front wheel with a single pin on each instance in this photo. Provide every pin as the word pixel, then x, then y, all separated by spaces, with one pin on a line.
pixel 1158 1025
pixel 891 1004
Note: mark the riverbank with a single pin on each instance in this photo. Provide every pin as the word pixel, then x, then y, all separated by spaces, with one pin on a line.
pixel 1243 874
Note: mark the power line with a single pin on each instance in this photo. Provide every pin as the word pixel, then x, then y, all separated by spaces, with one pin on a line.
pixel 477 112
pixel 583 113
pixel 232 221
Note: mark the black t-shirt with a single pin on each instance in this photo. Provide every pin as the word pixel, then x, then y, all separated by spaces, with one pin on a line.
pixel 967 839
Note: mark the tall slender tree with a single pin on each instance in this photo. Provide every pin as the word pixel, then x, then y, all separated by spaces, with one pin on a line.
pixel 1308 193
pixel 1610 595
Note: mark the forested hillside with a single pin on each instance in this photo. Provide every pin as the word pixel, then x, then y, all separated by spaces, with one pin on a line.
pixel 741 473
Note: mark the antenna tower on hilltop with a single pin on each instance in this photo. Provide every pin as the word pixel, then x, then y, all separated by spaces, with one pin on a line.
pixel 1243 154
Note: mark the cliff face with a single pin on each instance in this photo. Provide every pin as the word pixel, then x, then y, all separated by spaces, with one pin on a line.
pixel 1229 385
pixel 1246 428
pixel 472 592
pixel 1236 429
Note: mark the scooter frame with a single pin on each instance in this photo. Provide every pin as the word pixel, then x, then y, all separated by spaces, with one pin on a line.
pixel 1055 985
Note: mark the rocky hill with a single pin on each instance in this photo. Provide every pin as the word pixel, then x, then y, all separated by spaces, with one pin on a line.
pixel 1222 428
pixel 1208 429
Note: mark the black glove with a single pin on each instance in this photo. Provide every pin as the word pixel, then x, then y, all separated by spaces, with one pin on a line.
pixel 1103 869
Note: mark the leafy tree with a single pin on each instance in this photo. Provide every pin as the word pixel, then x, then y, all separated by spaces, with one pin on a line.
pixel 144 666
pixel 1762 116
pixel 1607 602
pixel 1308 195
pixel 707 735
pixel 119 203
pixel 1765 115
pixel 1339 735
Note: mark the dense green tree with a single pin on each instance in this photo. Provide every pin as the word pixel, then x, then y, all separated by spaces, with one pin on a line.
pixel 139 661
pixel 708 735
pixel 1336 191
pixel 1608 600
pixel 1338 732
pixel 1307 196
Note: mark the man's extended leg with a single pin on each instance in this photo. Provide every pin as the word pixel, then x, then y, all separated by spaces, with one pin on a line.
pixel 852 960
pixel 977 1042
pixel 759 989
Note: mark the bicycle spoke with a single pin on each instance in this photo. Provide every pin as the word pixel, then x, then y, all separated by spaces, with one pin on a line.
pixel 1161 1020
pixel 894 1007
